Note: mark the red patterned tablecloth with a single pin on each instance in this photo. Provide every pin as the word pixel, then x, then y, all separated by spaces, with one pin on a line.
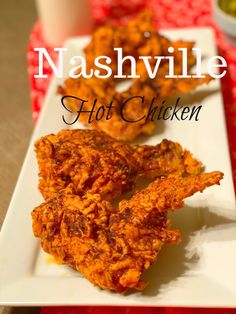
pixel 133 310
pixel 167 14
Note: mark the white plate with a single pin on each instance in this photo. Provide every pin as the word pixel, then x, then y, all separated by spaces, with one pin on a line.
pixel 201 271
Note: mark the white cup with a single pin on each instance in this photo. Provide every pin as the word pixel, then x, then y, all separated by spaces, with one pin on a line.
pixel 62 19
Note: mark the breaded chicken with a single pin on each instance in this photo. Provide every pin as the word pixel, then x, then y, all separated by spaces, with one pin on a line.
pixel 89 161
pixel 112 248
pixel 138 38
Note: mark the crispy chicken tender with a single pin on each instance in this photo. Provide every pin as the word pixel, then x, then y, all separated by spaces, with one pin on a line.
pixel 89 161
pixel 138 38
pixel 112 248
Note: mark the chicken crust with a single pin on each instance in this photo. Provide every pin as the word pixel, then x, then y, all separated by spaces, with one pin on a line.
pixel 89 161
pixel 112 248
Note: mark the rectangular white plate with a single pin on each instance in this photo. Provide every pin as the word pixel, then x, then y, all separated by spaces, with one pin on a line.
pixel 201 271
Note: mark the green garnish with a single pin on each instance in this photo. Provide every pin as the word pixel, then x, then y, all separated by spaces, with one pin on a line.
pixel 228 6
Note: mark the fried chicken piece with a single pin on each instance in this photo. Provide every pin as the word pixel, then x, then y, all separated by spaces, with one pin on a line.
pixel 146 41
pixel 112 248
pixel 89 161
pixel 84 161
